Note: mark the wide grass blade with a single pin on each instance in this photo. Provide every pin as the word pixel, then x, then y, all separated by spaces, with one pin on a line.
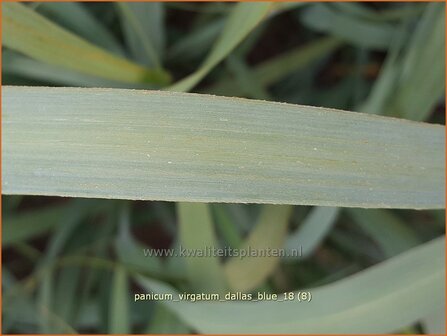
pixel 33 35
pixel 435 322
pixel 110 143
pixel 414 280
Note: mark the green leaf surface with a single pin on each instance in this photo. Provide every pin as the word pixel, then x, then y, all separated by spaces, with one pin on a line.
pixel 143 30
pixel 119 320
pixel 30 33
pixel 245 80
pixel 246 273
pixel 32 223
pixel 272 70
pixel 163 321
pixel 50 321
pixel 78 19
pixel 110 143
pixel 16 64
pixel 226 227
pixel 66 293
pixel 196 43
pixel 367 34
pixel 18 310
pixel 311 231
pixel 421 84
pixel 132 253
pixel 243 19
pixel 414 280
pixel 361 11
pixel 392 235
pixel 196 231
pixel 434 323
pixel 385 84
pixel 44 303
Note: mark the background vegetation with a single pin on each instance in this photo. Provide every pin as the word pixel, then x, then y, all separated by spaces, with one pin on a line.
pixel 70 265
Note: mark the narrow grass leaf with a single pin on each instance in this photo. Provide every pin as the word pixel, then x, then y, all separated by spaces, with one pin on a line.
pixel 385 85
pixel 190 147
pixel 228 230
pixel 196 43
pixel 367 34
pixel 272 70
pixel 356 9
pixel 242 216
pixel 59 239
pixel 50 321
pixel 31 224
pixel 416 281
pixel 312 231
pixel 245 274
pixel 134 254
pixel 30 33
pixel 391 14
pixel 66 293
pixel 14 63
pixel 119 320
pixel 245 80
pixel 196 231
pixel 44 303
pixel 353 243
pixel 422 80
pixel 281 7
pixel 243 19
pixel 77 18
pixel 24 226
pixel 392 235
pixel 143 30
pixel 18 310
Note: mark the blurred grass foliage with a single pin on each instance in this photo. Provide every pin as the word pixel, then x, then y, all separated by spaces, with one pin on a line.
pixel 72 265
